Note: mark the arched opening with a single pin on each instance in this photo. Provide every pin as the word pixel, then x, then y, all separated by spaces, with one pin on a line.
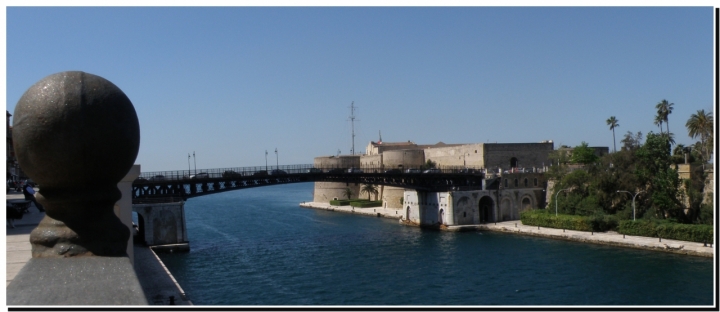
pixel 526 204
pixel 407 213
pixel 140 221
pixel 485 208
pixel 535 181
pixel 516 182
pixel 513 162
pixel 526 182
pixel 441 216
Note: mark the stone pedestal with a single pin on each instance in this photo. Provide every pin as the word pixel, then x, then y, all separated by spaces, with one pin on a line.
pixel 77 135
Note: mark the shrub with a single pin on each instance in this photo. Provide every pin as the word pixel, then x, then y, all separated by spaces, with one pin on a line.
pixel 597 223
pixel 699 233
pixel 366 204
pixel 637 228
pixel 340 202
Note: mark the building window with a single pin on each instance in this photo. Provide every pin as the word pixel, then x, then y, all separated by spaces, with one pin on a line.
pixel 516 183
pixel 535 181
pixel 506 183
pixel 526 182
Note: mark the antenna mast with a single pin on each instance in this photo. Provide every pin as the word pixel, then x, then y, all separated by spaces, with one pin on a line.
pixel 352 122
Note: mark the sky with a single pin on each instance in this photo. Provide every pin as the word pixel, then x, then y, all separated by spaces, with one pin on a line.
pixel 229 83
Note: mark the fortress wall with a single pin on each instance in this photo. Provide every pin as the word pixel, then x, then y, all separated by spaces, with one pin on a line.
pixel 404 159
pixel 374 162
pixel 391 196
pixel 343 161
pixel 470 155
pixel 527 154
pixel 324 192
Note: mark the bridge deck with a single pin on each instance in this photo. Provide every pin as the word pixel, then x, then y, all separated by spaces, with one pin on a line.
pixel 167 187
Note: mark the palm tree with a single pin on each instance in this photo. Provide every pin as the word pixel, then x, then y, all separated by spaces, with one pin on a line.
pixel 658 122
pixel 348 193
pixel 679 149
pixel 701 124
pixel 613 123
pixel 664 109
pixel 369 189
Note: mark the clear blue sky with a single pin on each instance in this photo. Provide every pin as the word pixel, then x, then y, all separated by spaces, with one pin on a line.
pixel 231 82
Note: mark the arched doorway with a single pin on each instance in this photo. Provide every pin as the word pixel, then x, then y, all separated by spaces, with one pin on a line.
pixel 526 204
pixel 407 213
pixel 441 216
pixel 140 237
pixel 485 208
pixel 513 162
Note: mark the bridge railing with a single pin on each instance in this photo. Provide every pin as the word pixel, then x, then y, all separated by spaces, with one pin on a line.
pixel 221 172
pixel 157 176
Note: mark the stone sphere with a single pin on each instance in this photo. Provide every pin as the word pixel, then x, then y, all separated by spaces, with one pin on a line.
pixel 74 129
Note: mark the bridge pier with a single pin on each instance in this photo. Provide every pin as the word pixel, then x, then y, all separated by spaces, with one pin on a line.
pixel 162 226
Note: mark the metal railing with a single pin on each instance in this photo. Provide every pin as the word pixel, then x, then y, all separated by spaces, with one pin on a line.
pixel 157 176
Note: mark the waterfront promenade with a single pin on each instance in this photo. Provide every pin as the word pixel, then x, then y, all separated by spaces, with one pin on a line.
pixel 156 281
pixel 516 227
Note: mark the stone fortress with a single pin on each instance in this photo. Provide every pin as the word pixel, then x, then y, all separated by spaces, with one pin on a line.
pixel 514 180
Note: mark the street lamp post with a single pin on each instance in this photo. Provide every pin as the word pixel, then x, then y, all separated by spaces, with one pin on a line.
pixel 266 160
pixel 195 161
pixel 636 194
pixel 188 164
pixel 556 200
pixel 277 162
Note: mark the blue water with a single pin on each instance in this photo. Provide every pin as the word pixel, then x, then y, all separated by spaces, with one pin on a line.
pixel 258 247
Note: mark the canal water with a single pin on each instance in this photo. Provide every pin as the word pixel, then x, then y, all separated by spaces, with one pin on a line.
pixel 258 247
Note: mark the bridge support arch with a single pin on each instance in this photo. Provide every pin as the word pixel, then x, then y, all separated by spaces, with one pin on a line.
pixel 163 225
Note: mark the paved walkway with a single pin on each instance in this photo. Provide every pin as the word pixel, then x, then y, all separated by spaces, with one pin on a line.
pixel 156 281
pixel 18 239
pixel 604 238
pixel 516 227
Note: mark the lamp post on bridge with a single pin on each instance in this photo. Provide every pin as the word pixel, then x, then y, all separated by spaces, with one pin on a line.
pixel 276 160
pixel 195 161
pixel 266 160
pixel 188 164
pixel 556 195
pixel 636 194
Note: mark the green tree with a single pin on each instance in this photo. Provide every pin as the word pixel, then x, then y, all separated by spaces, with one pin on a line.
pixel 655 171
pixel 632 142
pixel 583 154
pixel 613 123
pixel 369 189
pixel 558 164
pixel 611 173
pixel 701 124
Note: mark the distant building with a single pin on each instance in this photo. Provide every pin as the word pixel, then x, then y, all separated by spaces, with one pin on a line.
pixel 13 169
pixel 495 158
